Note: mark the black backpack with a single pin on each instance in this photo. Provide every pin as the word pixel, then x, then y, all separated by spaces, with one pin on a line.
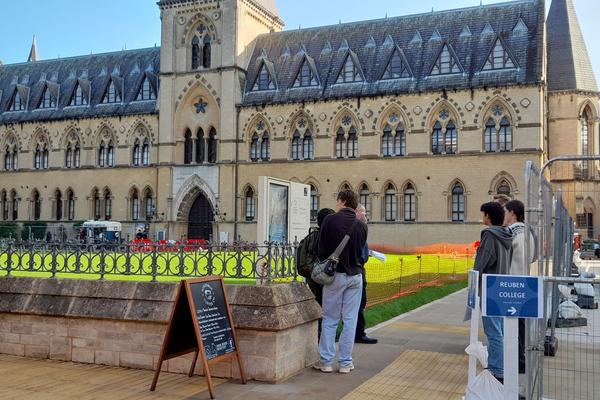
pixel 305 253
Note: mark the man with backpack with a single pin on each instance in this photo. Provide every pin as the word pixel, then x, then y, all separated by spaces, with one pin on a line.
pixel 341 298
pixel 306 256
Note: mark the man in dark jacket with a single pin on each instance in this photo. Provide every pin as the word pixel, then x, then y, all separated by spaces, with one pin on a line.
pixel 493 257
pixel 341 299
pixel 360 335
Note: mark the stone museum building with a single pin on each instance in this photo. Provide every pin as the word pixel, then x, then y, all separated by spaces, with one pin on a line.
pixel 425 116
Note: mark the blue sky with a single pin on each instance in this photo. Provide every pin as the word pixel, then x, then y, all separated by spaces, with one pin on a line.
pixel 75 27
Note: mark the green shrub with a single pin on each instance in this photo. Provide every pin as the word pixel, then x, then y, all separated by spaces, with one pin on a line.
pixel 9 230
pixel 38 230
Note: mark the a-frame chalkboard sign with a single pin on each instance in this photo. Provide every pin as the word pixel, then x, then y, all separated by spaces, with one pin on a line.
pixel 201 323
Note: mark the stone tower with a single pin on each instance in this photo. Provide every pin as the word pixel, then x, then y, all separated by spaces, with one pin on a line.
pixel 573 115
pixel 206 45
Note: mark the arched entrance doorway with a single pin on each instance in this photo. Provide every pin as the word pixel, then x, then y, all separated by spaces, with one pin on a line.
pixel 200 219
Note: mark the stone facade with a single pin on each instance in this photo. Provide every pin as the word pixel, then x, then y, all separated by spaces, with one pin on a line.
pixel 123 324
pixel 207 122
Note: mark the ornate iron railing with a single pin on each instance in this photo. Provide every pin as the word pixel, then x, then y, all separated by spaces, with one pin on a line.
pixel 270 262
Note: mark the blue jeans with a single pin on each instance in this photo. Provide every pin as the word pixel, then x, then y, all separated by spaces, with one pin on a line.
pixel 341 299
pixel 494 330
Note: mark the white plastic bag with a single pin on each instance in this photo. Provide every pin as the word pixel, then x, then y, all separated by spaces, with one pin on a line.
pixel 569 310
pixel 565 291
pixel 485 386
pixel 585 289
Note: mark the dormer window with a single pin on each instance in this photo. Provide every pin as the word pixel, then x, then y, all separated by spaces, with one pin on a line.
pixel 349 72
pixel 78 99
pixel 146 91
pixel 446 63
pixel 111 95
pixel 498 58
pixel 264 81
pixel 17 103
pixel 396 68
pixel 305 77
pixel 201 48
pixel 48 101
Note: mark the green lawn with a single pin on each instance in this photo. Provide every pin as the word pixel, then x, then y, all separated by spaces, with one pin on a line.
pixel 388 310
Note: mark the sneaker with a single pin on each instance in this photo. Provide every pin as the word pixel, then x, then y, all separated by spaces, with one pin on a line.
pixel 346 369
pixel 323 367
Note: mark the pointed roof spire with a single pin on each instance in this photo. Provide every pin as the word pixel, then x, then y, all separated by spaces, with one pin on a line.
pixel 569 66
pixel 33 54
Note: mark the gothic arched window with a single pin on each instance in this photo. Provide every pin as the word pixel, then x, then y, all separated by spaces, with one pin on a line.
pixel 265 147
pixel 135 205
pixel 212 146
pixel 498 135
pixel 302 141
pixel 5 206
pixel 110 154
pixel 393 139
pixel 201 48
pixel 296 146
pixel 146 152
pixel 137 152
pixel 458 203
pixel 102 154
pixel 200 146
pixel 107 204
pixel 346 141
pixel 254 153
pixel 11 155
pixel 148 205
pixel 444 136
pixel 37 205
pixel 364 196
pixel 14 200
pixel 391 203
pixel 410 203
pixel 314 203
pixel 96 205
pixel 58 205
pixel 250 206
pixel 260 146
pixel 188 148
pixel 70 205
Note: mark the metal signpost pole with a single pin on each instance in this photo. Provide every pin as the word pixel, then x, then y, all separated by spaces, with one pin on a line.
pixel 512 297
pixel 473 304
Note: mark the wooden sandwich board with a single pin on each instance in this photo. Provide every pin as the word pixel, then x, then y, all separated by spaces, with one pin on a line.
pixel 201 323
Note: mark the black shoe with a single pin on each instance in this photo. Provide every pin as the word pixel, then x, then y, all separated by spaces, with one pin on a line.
pixel 365 339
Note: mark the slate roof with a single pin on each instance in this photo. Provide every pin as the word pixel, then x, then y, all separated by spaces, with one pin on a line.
pixel 569 66
pixel 93 73
pixel 470 33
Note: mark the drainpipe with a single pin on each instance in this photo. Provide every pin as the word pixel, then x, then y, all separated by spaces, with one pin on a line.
pixel 236 175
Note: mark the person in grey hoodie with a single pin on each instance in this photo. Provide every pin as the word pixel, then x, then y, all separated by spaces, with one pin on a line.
pixel 493 257
pixel 514 219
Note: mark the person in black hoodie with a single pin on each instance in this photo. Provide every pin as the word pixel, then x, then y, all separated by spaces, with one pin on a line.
pixel 493 257
pixel 341 299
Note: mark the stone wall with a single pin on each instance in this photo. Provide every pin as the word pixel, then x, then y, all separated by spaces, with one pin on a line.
pixel 122 324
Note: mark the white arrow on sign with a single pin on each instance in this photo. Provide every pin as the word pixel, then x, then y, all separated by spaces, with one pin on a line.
pixel 512 311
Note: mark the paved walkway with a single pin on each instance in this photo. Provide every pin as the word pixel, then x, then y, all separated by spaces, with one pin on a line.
pixel 419 356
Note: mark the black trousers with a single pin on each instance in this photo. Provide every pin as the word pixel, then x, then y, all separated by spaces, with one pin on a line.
pixel 318 292
pixel 360 322
pixel 521 345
